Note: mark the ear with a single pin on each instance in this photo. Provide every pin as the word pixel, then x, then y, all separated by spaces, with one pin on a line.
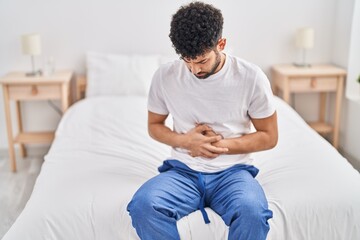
pixel 221 44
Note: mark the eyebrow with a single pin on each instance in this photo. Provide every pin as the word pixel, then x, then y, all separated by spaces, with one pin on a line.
pixel 201 61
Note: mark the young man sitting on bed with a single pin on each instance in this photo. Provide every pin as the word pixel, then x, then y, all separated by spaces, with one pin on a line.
pixel 213 98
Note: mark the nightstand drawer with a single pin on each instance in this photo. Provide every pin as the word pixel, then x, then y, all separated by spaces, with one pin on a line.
pixel 318 84
pixel 34 92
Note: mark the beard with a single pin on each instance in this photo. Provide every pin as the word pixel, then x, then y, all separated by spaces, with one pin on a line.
pixel 203 75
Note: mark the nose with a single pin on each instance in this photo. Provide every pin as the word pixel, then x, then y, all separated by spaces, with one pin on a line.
pixel 195 69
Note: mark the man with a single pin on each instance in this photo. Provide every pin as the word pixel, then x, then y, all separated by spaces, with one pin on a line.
pixel 213 98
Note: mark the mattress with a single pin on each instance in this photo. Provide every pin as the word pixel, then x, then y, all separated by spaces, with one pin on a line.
pixel 102 154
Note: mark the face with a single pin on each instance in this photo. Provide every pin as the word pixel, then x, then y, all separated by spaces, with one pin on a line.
pixel 205 65
pixel 208 63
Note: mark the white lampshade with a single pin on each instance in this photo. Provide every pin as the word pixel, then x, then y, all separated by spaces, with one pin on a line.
pixel 305 38
pixel 31 44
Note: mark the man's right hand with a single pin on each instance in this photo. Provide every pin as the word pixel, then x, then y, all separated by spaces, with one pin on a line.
pixel 200 145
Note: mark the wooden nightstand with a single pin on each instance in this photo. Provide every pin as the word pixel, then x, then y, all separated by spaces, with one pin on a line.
pixel 318 78
pixel 18 87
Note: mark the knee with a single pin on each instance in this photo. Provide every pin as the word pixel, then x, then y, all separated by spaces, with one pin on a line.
pixel 147 204
pixel 253 209
pixel 249 220
pixel 256 210
pixel 139 204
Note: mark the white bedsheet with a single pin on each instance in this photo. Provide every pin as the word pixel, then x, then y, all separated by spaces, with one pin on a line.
pixel 102 153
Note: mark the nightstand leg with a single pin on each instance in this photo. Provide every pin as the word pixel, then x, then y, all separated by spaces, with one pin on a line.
pixel 9 129
pixel 322 107
pixel 64 97
pixel 339 93
pixel 286 92
pixel 20 128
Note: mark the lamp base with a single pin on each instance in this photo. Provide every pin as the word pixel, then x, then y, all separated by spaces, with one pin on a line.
pixel 302 65
pixel 34 73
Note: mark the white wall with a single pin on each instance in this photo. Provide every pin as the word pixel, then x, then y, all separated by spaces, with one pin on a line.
pixel 260 31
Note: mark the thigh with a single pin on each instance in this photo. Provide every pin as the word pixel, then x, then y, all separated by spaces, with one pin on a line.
pixel 233 191
pixel 172 193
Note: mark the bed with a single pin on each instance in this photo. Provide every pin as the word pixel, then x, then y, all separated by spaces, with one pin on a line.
pixel 102 154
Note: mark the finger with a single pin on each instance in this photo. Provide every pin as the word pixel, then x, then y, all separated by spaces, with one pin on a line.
pixel 209 133
pixel 213 139
pixel 208 154
pixel 218 150
pixel 201 128
pixel 193 154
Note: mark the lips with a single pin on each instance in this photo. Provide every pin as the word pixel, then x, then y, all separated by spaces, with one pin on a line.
pixel 200 74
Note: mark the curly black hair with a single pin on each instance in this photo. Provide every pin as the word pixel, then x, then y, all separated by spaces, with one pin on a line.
pixel 195 29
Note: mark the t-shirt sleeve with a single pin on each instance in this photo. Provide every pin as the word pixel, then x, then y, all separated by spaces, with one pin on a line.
pixel 156 102
pixel 262 100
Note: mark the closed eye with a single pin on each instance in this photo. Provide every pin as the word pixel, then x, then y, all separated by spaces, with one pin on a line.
pixel 200 62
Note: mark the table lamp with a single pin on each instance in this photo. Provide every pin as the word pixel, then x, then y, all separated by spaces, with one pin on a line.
pixel 304 41
pixel 31 45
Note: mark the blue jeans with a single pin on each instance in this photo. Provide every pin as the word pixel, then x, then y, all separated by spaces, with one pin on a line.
pixel 177 191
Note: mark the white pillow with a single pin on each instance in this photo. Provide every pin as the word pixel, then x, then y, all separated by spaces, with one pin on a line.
pixel 111 74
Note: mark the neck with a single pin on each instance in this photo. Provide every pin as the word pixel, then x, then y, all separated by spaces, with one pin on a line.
pixel 222 61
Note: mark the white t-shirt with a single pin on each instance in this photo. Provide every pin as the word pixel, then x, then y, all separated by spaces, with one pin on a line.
pixel 224 101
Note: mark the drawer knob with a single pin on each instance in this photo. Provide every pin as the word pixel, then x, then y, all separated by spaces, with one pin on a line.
pixel 34 90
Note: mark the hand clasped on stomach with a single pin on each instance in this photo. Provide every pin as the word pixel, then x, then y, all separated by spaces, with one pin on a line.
pixel 203 141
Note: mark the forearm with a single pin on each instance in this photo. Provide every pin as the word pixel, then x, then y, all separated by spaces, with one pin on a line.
pixel 253 142
pixel 163 134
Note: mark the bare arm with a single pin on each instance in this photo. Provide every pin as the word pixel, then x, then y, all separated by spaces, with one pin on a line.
pixel 265 137
pixel 194 141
